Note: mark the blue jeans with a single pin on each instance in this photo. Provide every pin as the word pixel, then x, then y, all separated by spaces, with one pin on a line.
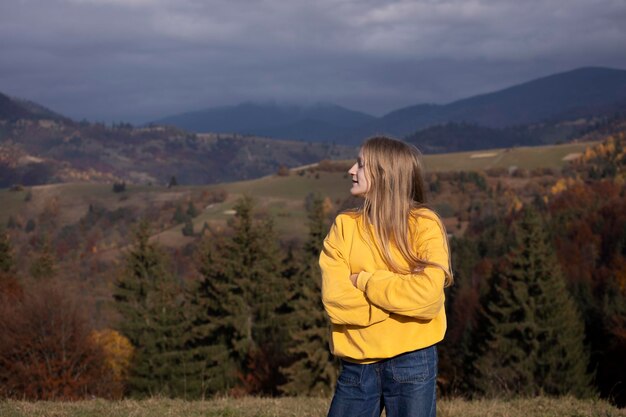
pixel 405 386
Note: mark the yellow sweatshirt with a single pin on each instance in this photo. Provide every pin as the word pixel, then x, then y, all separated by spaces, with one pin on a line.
pixel 389 313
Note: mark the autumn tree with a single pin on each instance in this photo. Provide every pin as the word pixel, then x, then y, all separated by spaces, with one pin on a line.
pixel 45 349
pixel 118 353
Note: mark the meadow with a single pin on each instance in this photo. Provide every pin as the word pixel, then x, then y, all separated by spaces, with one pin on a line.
pixel 300 407
pixel 281 196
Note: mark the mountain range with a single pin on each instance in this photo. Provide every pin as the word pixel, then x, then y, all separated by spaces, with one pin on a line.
pixel 39 146
pixel 578 93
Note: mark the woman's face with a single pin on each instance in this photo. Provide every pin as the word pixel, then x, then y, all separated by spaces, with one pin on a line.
pixel 360 185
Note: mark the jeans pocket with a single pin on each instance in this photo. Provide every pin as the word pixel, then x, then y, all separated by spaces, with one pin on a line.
pixel 351 374
pixel 417 366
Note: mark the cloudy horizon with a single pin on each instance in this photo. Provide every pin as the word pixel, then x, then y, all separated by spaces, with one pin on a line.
pixel 139 60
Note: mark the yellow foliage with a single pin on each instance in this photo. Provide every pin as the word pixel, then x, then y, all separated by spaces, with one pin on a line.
pixel 515 204
pixel 118 351
pixel 589 154
pixel 610 145
pixel 327 205
pixel 562 184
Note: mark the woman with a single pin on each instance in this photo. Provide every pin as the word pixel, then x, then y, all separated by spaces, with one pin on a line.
pixel 384 268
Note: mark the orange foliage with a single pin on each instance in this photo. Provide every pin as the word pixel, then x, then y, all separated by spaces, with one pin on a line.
pixel 10 287
pixel 46 352
pixel 619 268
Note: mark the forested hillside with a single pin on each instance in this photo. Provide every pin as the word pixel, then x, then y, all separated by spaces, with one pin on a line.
pixel 195 286
pixel 44 151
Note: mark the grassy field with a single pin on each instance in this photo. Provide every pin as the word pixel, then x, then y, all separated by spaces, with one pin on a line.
pixel 281 196
pixel 550 156
pixel 300 407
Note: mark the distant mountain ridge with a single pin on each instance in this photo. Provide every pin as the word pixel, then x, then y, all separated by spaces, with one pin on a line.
pixel 577 93
pixel 38 146
pixel 271 120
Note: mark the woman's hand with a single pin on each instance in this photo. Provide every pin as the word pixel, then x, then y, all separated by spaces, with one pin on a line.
pixel 353 278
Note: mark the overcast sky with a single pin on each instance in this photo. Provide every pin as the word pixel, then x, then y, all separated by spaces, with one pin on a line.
pixel 137 60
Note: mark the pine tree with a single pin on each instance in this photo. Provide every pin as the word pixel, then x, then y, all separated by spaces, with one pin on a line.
pixel 239 294
pixel 531 338
pixel 179 215
pixel 149 299
pixel 192 211
pixel 9 284
pixel 7 262
pixel 44 265
pixel 187 229
pixel 313 370
pixel 211 302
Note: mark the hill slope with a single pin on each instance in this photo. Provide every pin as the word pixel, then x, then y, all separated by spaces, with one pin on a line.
pixel 12 109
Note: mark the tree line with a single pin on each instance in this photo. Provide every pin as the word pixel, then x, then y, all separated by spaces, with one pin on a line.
pixel 249 322
pixel 538 307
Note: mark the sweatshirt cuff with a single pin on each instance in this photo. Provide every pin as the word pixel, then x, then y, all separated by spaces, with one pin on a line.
pixel 362 279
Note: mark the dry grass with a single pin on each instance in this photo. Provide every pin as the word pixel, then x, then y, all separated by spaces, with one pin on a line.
pixel 300 407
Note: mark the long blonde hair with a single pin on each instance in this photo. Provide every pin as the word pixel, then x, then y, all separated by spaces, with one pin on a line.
pixel 396 190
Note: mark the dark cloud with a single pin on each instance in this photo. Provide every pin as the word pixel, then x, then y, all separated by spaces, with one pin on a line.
pixel 140 59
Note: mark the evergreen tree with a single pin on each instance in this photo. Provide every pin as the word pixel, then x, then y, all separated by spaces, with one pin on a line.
pixel 237 298
pixel 187 229
pixel 44 264
pixel 313 370
pixel 12 223
pixel 149 299
pixel 192 211
pixel 7 262
pixel 179 215
pixel 9 284
pixel 531 338
pixel 30 226
pixel 212 332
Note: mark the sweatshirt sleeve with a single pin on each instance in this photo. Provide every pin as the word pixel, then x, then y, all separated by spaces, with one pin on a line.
pixel 344 303
pixel 419 295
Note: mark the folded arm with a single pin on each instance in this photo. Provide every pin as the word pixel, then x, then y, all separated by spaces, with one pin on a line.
pixel 344 303
pixel 420 294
